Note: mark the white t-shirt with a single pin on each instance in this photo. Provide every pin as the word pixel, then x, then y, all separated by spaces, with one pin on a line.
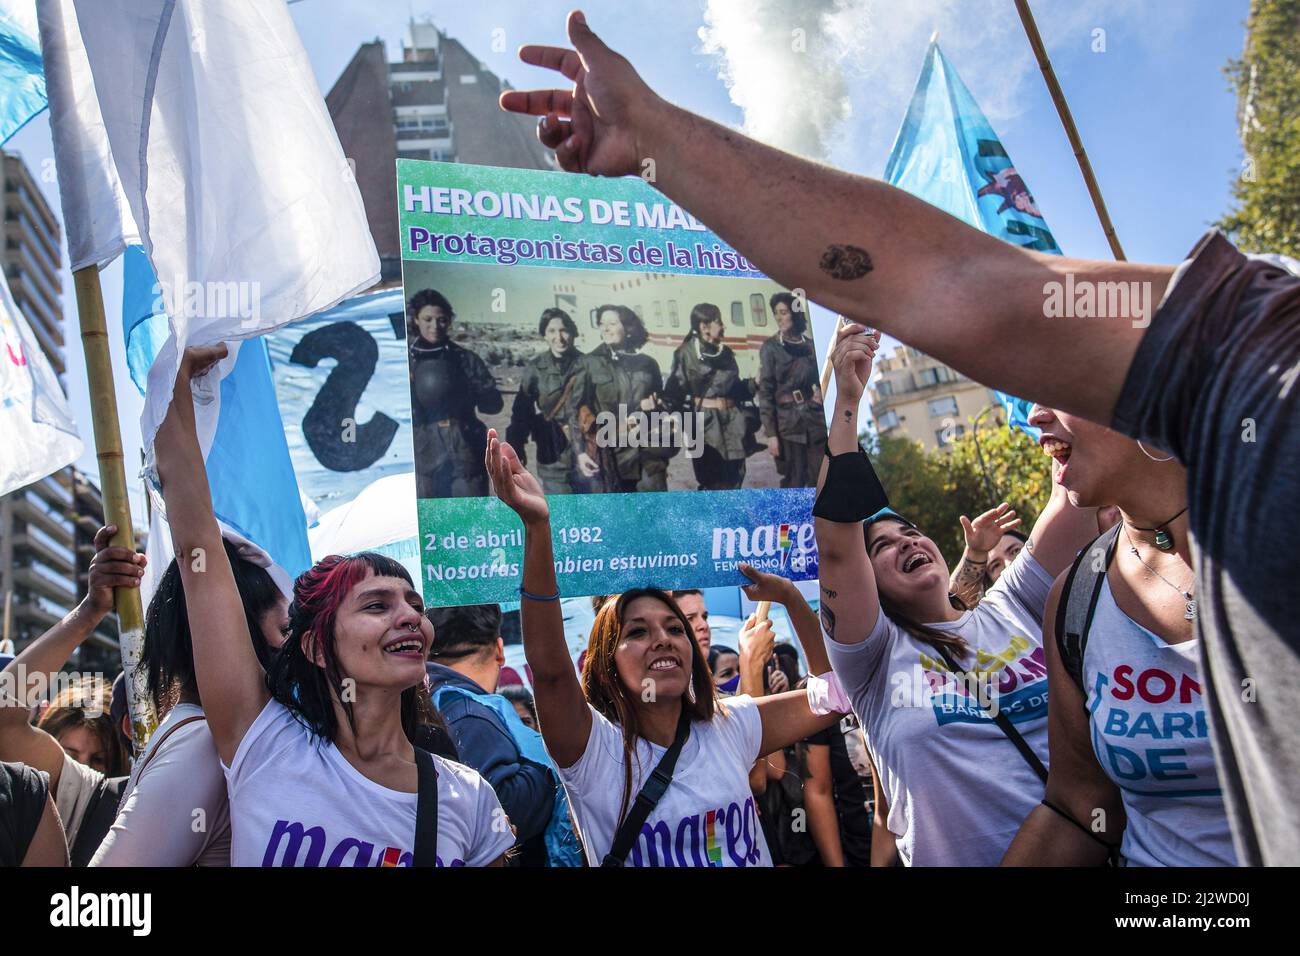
pixel 957 788
pixel 707 816
pixel 174 809
pixel 77 784
pixel 1149 731
pixel 296 801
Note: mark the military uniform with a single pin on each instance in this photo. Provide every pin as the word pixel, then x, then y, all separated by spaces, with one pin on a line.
pixel 787 376
pixel 542 408
pixel 606 380
pixel 708 384
pixel 447 383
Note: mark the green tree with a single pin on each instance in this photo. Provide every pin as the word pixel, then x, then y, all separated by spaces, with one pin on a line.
pixel 933 489
pixel 1266 217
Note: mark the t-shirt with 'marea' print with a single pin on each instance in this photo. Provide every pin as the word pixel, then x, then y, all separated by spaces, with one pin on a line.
pixel 706 817
pixel 957 788
pixel 296 801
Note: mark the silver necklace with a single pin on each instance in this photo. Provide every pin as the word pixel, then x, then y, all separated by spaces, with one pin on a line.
pixel 1189 605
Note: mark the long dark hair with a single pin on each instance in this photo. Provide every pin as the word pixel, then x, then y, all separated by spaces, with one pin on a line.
pixel 168 654
pixel 308 689
pixel 798 319
pixel 703 314
pixel 607 693
pixel 634 332
pixel 941 641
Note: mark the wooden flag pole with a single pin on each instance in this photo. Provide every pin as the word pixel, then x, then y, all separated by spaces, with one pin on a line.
pixel 1071 131
pixel 112 480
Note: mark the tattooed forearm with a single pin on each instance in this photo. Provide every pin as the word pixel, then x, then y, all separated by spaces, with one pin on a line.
pixel 967 581
pixel 846 262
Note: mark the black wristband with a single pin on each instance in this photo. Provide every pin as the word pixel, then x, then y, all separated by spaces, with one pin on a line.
pixel 852 491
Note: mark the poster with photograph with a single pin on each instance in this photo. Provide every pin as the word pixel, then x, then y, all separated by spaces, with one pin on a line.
pixel 663 391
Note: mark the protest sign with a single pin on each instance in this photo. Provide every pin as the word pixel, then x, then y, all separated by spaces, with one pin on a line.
pixel 661 388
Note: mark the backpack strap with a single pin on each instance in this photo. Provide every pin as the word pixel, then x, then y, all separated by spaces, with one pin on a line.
pixel 163 739
pixel 650 794
pixel 1004 724
pixel 1078 602
pixel 426 811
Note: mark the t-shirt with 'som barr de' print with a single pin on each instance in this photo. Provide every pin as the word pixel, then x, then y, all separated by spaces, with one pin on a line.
pixel 296 801
pixel 706 817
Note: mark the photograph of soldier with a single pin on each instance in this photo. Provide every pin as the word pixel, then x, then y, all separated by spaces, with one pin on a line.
pixel 790 397
pixel 705 381
pixel 616 379
pixel 448 382
pixel 544 407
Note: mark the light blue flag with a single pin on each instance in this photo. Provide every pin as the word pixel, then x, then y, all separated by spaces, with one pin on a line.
pixel 22 74
pixel 254 489
pixel 947 154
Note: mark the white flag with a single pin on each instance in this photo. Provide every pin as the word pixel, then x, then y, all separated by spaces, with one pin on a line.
pixel 39 434
pixel 96 215
pixel 232 168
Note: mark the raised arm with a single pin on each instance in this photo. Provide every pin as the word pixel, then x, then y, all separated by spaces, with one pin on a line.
pixel 773 587
pixel 982 536
pixel 858 246
pixel 230 678
pixel 562 712
pixel 849 602
pixel 20 741
pixel 1076 784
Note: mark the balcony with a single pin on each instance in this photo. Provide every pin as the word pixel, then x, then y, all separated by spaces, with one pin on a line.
pixel 29 546
pixel 28 512
pixel 57 593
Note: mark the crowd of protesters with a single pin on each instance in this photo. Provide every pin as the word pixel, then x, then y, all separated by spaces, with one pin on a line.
pixel 321 730
pixel 1047 701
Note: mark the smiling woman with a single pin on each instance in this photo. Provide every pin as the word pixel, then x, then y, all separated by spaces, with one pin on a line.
pixel 319 754
pixel 655 765
pixel 943 694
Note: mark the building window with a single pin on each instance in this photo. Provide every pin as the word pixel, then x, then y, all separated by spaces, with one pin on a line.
pixel 943 406
pixel 758 309
pixel 672 314
pixel 933 376
pixel 945 436
pixel 884 387
pixel 887 421
pixel 467 78
pixel 659 313
pixel 737 314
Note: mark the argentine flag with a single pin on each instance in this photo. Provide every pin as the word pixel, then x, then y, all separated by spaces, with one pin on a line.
pixel 250 475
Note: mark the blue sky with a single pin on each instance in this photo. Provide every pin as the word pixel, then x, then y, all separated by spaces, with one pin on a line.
pixel 1155 110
